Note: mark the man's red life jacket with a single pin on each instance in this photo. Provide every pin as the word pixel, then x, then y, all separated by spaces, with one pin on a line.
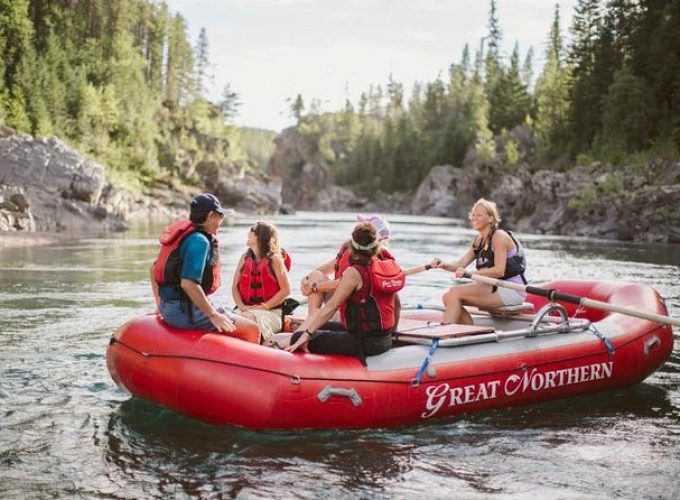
pixel 168 265
pixel 258 282
pixel 371 308
pixel 344 253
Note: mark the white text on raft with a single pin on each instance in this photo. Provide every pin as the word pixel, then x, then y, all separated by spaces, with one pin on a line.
pixel 532 380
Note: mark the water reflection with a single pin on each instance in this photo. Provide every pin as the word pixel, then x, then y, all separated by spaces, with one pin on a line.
pixel 140 435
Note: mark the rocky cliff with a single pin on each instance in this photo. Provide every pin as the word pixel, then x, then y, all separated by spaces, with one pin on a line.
pixel 598 200
pixel 45 185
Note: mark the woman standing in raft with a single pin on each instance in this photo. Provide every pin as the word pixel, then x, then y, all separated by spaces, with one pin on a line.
pixel 261 281
pixel 366 297
pixel 497 254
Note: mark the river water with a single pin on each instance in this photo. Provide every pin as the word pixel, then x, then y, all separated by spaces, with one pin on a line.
pixel 66 430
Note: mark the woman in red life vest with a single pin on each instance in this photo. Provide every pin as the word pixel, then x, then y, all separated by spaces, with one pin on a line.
pixel 366 296
pixel 187 271
pixel 317 286
pixel 261 281
pixel 497 254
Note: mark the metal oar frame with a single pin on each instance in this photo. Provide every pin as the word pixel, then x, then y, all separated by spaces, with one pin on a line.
pixel 543 323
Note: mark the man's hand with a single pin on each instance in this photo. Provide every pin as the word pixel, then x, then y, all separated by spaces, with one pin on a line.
pixel 222 322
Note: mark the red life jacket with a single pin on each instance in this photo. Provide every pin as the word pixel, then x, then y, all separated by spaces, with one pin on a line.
pixel 371 308
pixel 258 282
pixel 344 253
pixel 168 265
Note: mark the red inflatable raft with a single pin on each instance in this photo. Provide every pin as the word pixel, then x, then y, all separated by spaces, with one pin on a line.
pixel 433 371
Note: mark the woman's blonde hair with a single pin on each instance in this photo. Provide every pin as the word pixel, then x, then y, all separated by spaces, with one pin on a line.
pixel 491 209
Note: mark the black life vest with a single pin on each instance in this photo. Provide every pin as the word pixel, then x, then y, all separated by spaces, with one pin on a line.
pixel 168 264
pixel 514 266
pixel 344 253
pixel 258 282
pixel 371 308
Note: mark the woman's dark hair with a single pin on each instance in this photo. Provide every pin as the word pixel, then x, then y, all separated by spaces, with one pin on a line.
pixel 267 238
pixel 365 235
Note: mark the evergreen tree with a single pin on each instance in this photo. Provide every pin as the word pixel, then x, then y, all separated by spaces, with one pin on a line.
pixel 297 107
pixel 15 32
pixel 202 60
pixel 395 92
pixel 158 32
pixel 230 103
pixel 626 124
pixel 179 82
pixel 527 69
pixel 552 98
pixel 585 99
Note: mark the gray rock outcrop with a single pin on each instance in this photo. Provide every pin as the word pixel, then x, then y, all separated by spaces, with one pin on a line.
pixel 437 193
pixel 596 200
pixel 45 185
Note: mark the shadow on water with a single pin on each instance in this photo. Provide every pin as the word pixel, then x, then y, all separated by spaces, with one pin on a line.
pixel 142 439
pixel 229 460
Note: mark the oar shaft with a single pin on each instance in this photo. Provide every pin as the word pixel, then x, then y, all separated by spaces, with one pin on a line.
pixel 574 299
pixel 417 269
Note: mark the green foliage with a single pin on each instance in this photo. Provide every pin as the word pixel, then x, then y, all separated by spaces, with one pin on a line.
pixel 119 81
pixel 512 154
pixel 552 99
pixel 613 94
pixel 259 145
pixel 612 185
pixel 585 200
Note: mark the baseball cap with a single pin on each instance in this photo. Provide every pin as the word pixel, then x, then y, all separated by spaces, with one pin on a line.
pixel 378 222
pixel 206 202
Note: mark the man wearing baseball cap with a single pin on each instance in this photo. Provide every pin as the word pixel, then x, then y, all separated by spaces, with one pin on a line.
pixel 187 270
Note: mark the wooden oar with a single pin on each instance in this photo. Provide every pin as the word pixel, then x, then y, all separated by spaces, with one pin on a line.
pixel 290 304
pixel 417 269
pixel 553 294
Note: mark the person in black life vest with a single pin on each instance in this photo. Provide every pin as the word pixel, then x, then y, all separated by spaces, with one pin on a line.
pixel 187 270
pixel 367 299
pixel 497 254
pixel 318 287
pixel 261 280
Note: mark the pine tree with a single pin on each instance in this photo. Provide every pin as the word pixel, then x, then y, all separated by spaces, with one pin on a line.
pixel 626 107
pixel 552 98
pixel 297 107
pixel 585 99
pixel 527 69
pixel 202 62
pixel 230 103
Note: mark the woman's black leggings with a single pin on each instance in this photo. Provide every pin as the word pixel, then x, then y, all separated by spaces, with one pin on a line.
pixel 332 338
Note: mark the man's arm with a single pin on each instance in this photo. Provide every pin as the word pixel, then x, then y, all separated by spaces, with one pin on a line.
pixel 199 299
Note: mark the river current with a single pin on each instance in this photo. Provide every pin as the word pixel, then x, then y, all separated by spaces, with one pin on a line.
pixel 66 430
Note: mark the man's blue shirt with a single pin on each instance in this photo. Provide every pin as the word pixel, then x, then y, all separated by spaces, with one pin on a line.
pixel 195 254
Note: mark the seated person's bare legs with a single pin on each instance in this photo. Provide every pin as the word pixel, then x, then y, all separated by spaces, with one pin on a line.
pixel 477 295
pixel 314 302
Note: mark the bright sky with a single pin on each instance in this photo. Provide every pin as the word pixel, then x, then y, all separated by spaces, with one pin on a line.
pixel 271 50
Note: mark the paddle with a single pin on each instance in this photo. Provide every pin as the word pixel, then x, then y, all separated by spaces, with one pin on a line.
pixel 290 304
pixel 553 295
pixel 417 269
